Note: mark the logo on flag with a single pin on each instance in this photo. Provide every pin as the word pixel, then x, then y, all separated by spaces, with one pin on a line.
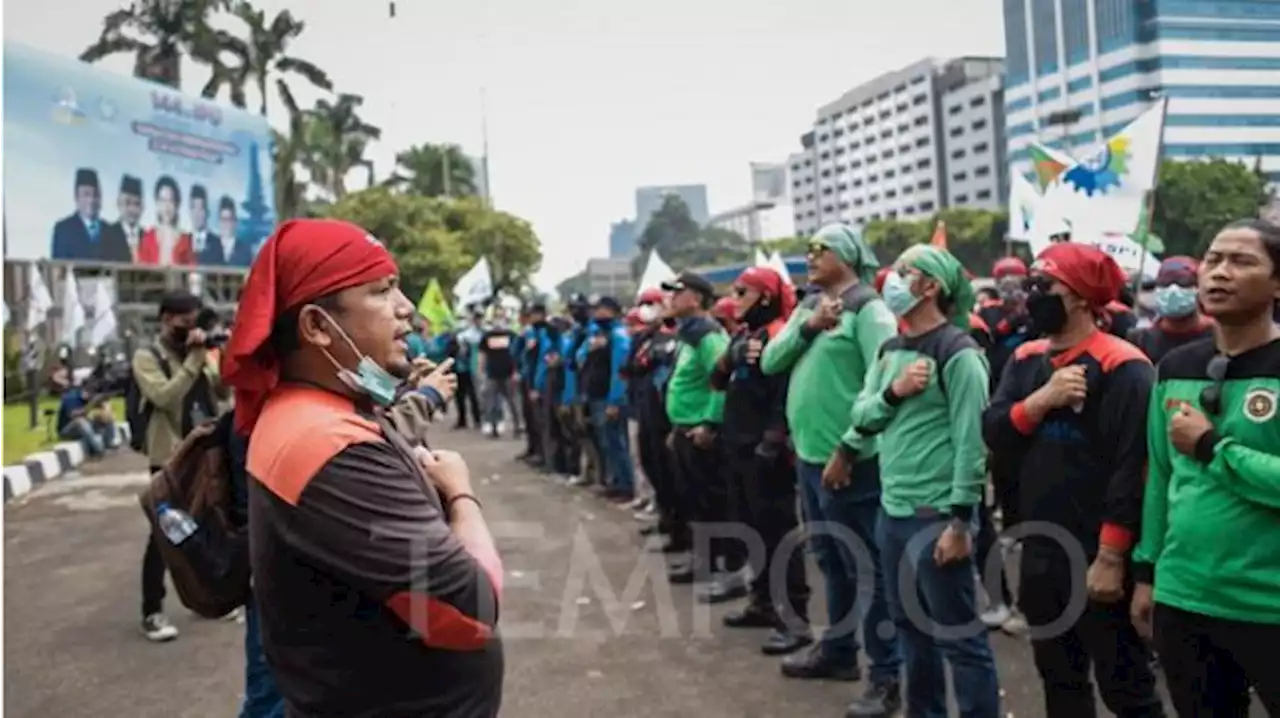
pixel 1103 170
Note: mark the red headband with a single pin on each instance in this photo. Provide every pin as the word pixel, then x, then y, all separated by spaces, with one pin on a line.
pixel 768 282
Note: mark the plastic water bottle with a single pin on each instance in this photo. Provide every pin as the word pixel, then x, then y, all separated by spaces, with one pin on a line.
pixel 176 524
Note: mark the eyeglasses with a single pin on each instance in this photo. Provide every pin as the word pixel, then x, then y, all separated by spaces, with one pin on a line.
pixel 1211 396
pixel 817 250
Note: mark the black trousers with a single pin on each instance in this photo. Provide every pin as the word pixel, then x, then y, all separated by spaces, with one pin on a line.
pixel 992 572
pixel 466 396
pixel 659 465
pixel 704 484
pixel 153 571
pixel 768 489
pixel 1102 638
pixel 532 422
pixel 570 444
pixel 1004 479
pixel 555 458
pixel 592 458
pixel 1209 663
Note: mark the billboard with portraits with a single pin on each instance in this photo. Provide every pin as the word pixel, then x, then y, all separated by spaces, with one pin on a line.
pixel 103 167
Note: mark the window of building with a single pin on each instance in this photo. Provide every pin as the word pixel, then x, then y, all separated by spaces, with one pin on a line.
pixel 871 159
pixel 978 125
pixel 978 101
pixel 844 205
pixel 908 211
pixel 869 140
pixel 918 79
pixel 1075 30
pixel 886 154
pixel 857 183
pixel 826 173
pixel 842 187
pixel 886 114
pixel 982 171
pixel 924 163
pixel 824 137
pixel 919 100
pixel 875 196
pixel 957 154
pixel 890 173
pixel 904 127
pixel 827 190
pixel 873 178
pixel 882 96
pixel 893 214
pixel 1044 26
pixel 890 194
pixel 926 206
pixel 954 109
pixel 796 184
pixel 962 198
pixel 956 131
pixel 839 151
pixel 826 155
pixel 902 107
pixel 1015 43
pixel 921 121
pixel 886 134
pixel 924 184
pixel 855 164
pixel 908 189
pixel 838 133
pixel 983 194
pixel 923 142
pixel 854 144
pixel 906 169
pixel 840 169
pixel 981 148
pixel 828 209
pixel 959 177
pixel 903 148
pixel 875 217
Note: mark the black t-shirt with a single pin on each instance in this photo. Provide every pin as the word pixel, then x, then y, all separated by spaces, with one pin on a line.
pixel 495 347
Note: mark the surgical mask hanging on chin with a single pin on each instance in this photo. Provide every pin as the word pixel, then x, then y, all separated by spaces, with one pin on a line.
pixel 368 378
pixel 1176 302
pixel 898 296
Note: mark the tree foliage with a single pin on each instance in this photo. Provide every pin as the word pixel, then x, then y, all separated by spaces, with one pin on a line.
pixel 434 171
pixel 673 233
pixel 159 33
pixel 1196 199
pixel 442 239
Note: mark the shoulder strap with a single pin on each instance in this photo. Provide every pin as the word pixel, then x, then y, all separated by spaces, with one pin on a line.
pixel 161 362
pixel 953 341
pixel 857 296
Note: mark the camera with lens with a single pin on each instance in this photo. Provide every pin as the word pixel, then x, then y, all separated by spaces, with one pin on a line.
pixel 209 322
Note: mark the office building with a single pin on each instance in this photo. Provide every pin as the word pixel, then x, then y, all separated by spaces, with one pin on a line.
pixel 768 181
pixel 611 277
pixel 650 199
pixel 1080 70
pixel 881 151
pixel 623 236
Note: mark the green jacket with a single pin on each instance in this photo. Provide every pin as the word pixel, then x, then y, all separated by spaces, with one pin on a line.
pixel 690 399
pixel 827 370
pixel 168 395
pixel 931 448
pixel 1211 524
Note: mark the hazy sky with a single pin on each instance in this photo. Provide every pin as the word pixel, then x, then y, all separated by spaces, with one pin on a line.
pixel 588 99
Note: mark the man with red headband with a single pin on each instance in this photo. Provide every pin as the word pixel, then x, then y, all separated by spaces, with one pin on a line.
pixel 375 574
pixel 1072 408
pixel 1179 319
pixel 755 446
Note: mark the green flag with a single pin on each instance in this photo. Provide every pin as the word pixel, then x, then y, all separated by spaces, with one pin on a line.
pixel 1143 235
pixel 435 307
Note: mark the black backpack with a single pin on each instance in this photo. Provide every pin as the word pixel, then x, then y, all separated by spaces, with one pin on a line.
pixel 137 410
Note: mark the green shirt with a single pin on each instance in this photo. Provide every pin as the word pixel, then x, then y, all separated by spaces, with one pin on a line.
pixel 1211 525
pixel 827 371
pixel 690 398
pixel 931 448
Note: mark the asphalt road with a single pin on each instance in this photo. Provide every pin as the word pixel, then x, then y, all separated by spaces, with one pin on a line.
pixel 580 642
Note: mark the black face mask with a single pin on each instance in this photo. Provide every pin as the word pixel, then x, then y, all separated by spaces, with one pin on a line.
pixel 178 335
pixel 579 315
pixel 605 323
pixel 760 314
pixel 1048 313
pixel 669 322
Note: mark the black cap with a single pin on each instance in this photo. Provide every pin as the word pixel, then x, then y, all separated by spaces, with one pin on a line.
pixel 578 300
pixel 86 178
pixel 607 302
pixel 131 185
pixel 691 281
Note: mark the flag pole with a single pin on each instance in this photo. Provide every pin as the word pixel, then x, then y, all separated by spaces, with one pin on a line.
pixel 484 143
pixel 1150 209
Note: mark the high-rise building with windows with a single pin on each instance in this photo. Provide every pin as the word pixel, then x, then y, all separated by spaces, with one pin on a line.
pixel 885 149
pixel 1078 71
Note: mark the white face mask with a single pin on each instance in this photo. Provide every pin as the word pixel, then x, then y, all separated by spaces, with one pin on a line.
pixel 367 378
pixel 649 313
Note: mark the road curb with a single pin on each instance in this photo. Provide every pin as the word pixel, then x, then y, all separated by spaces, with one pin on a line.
pixel 42 466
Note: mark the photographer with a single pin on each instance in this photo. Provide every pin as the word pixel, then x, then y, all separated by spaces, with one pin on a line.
pixel 180 385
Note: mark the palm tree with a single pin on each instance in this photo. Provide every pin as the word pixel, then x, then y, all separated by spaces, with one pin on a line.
pixel 336 140
pixel 264 54
pixel 435 171
pixel 159 33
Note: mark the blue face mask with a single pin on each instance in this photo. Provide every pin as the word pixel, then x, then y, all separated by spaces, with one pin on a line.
pixel 897 295
pixel 1176 302
pixel 368 378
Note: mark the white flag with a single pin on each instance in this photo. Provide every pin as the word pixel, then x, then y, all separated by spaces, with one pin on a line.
pixel 1107 189
pixel 103 328
pixel 475 287
pixel 39 301
pixel 762 259
pixel 656 272
pixel 1023 202
pixel 777 264
pixel 73 318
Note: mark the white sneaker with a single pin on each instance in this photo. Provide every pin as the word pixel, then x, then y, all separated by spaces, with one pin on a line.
pixel 579 481
pixel 236 616
pixel 1016 625
pixel 636 503
pixel 996 616
pixel 158 629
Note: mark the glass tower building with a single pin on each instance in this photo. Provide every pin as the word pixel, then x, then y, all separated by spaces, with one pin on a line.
pixel 1080 70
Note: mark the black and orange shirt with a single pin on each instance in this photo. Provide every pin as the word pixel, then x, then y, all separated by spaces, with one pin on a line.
pixel 1081 468
pixel 370 604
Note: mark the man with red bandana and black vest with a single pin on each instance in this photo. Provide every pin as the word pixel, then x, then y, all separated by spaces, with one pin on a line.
pixel 755 445
pixel 1073 407
pixel 375 574
pixel 1179 320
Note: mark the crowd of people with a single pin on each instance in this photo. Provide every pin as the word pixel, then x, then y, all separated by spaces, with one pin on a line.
pixel 910 419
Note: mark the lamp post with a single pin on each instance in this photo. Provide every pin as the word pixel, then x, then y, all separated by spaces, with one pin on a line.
pixel 1064 119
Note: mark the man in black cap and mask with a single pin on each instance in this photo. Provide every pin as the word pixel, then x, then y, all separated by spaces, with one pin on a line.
pixel 120 239
pixel 573 408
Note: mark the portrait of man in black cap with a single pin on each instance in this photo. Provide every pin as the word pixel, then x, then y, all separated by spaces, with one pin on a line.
pixel 207 245
pixel 242 250
pixel 120 239
pixel 80 236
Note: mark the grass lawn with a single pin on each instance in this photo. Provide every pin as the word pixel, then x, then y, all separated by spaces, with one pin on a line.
pixel 20 439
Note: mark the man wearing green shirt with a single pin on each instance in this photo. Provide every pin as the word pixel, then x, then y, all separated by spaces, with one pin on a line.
pixel 1208 563
pixel 696 412
pixel 827 345
pixel 923 400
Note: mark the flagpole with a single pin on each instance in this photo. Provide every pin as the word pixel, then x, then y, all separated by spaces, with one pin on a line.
pixel 484 143
pixel 1150 209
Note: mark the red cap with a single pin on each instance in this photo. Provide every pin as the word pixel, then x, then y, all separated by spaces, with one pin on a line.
pixel 768 282
pixel 881 275
pixel 1008 267
pixel 304 259
pixel 725 308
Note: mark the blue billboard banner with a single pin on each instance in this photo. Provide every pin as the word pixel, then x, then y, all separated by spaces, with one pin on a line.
pixel 102 167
